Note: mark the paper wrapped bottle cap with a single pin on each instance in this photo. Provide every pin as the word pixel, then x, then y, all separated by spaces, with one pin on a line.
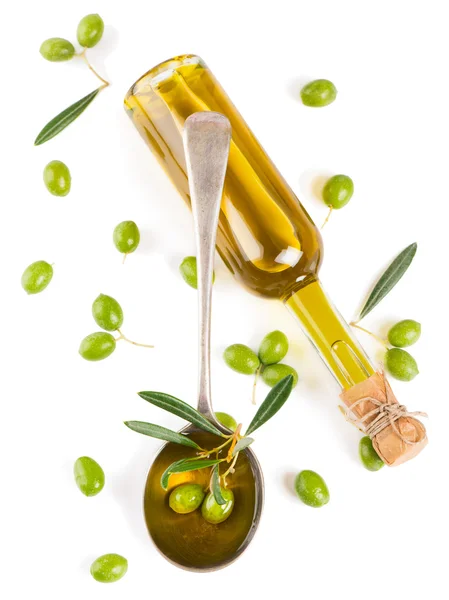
pixel 397 434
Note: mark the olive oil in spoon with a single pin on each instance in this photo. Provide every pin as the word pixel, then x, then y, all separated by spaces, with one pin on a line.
pixel 188 540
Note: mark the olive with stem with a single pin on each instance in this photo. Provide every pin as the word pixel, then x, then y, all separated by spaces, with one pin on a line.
pixel 108 314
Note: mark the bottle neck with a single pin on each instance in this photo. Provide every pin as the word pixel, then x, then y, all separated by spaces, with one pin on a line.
pixel 329 333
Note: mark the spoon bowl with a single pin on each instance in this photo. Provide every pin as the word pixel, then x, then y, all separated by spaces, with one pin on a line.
pixel 188 540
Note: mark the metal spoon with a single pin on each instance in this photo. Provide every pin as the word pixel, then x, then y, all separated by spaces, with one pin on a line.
pixel 206 142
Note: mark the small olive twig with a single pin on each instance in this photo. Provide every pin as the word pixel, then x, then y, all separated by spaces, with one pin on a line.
pixel 84 57
pixel 256 377
pixel 232 440
pixel 122 337
pixel 231 469
pixel 331 208
pixel 235 438
pixel 201 455
pixel 377 338
pixel 216 450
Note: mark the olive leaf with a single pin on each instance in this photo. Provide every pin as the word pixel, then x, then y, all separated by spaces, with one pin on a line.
pixel 64 118
pixel 166 474
pixel 389 278
pixel 180 409
pixel 272 403
pixel 161 433
pixel 216 488
pixel 184 465
pixel 242 444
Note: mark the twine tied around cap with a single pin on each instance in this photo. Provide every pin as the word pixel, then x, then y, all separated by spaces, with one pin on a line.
pixel 397 434
pixel 384 414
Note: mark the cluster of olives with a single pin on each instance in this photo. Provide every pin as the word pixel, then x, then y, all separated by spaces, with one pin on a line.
pixel 108 315
pixel 398 362
pixel 401 365
pixel 272 350
pixel 188 497
pixel 189 271
pixel 89 33
pixel 57 177
pixel 89 477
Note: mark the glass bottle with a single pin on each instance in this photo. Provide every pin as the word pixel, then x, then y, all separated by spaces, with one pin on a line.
pixel 265 236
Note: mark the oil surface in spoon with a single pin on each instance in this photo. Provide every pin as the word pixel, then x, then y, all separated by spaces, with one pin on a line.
pixel 189 540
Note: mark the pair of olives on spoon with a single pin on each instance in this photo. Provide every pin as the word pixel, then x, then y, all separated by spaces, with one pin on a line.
pixel 188 497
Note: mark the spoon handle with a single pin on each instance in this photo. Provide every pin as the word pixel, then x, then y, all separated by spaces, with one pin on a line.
pixel 207 136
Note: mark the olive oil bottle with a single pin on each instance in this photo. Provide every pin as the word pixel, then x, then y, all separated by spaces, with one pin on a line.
pixel 265 236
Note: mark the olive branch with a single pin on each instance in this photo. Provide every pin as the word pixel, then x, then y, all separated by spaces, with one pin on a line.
pixel 89 33
pixel 233 443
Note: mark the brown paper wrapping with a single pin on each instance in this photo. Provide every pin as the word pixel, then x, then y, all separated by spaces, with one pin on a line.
pixel 401 438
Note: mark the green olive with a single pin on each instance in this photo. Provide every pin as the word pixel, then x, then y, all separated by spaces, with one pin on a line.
pixel 320 92
pixel 36 277
pixel 338 191
pixel 273 348
pixel 57 49
pixel 400 364
pixel 97 346
pixel 226 420
pixel 57 178
pixel 369 457
pixel 188 270
pixel 107 312
pixel 311 489
pixel 186 498
pixel 217 513
pixel 89 476
pixel 272 374
pixel 126 237
pixel 109 568
pixel 90 31
pixel 241 359
pixel 405 333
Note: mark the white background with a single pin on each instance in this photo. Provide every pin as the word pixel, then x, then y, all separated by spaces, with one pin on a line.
pixel 379 536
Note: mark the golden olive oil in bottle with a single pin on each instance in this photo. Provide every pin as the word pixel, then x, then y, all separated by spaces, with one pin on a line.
pixel 265 236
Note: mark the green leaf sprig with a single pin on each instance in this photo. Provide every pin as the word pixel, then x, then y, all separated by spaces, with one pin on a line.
pixel 180 409
pixel 389 278
pixel 398 362
pixel 89 33
pixel 232 445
